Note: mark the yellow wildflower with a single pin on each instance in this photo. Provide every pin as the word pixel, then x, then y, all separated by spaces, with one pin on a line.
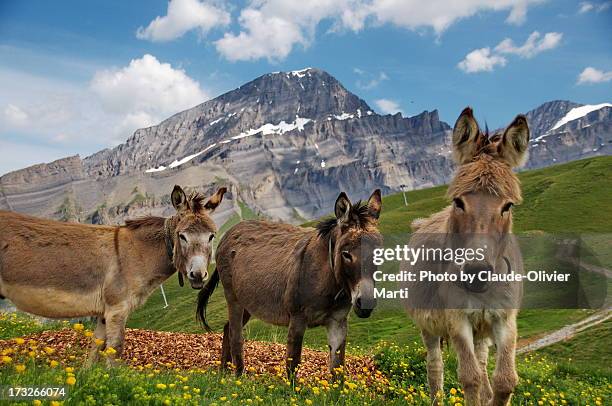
pixel 53 363
pixel 78 326
pixel 69 369
pixel 71 380
pixel 19 341
pixel 6 359
pixel 20 368
pixel 49 350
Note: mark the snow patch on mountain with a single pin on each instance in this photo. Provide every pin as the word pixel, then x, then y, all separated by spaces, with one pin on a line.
pixel 578 112
pixel 179 162
pixel 300 73
pixel 279 128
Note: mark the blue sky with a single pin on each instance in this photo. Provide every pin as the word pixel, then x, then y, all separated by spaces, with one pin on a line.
pixel 79 76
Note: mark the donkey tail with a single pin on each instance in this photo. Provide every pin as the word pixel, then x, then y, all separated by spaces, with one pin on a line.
pixel 203 298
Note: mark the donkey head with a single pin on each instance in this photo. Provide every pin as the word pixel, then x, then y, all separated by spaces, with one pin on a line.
pixel 193 234
pixel 352 237
pixel 484 190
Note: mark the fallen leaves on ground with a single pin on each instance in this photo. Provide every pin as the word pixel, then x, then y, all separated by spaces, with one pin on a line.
pixel 189 351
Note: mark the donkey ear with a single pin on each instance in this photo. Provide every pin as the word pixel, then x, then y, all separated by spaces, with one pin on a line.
pixel 215 199
pixel 375 204
pixel 513 145
pixel 179 199
pixel 342 207
pixel 466 137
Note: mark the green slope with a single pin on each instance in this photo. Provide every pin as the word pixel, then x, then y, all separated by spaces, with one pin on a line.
pixel 568 198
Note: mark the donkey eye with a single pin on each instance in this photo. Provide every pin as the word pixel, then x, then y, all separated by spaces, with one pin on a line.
pixel 183 237
pixel 347 256
pixel 507 207
pixel 459 203
pixel 211 237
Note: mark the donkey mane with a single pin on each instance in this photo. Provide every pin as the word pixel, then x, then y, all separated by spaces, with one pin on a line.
pixel 486 174
pixel 196 202
pixel 359 214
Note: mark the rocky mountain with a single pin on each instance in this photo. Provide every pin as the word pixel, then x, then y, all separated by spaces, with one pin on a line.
pixel 563 131
pixel 286 144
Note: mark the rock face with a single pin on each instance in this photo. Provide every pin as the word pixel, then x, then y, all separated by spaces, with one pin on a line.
pixel 563 131
pixel 286 143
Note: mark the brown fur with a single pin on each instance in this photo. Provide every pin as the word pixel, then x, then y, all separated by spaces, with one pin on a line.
pixel 62 270
pixel 483 190
pixel 283 275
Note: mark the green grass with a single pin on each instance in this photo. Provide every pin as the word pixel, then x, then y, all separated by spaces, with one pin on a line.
pixel 568 198
pixel 19 324
pixel 589 352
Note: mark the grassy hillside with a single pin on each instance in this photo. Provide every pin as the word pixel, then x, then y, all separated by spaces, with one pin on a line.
pixel 569 198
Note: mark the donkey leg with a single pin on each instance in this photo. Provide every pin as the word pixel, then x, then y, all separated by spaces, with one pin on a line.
pixel 116 318
pixel 295 338
pixel 235 337
pixel 226 355
pixel 94 349
pixel 481 348
pixel 435 367
pixel 336 341
pixel 469 369
pixel 505 377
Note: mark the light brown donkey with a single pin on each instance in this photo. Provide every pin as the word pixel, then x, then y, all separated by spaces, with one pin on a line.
pixel 474 313
pixel 61 270
pixel 297 277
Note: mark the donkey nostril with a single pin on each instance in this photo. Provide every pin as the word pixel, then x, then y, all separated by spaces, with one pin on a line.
pixel 191 275
pixel 358 302
pixel 205 276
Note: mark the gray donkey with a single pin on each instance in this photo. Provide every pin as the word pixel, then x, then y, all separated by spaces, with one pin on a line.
pixel 297 277
pixel 474 314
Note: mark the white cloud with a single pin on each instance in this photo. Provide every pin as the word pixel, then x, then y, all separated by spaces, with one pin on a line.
pixel 15 115
pixel 587 6
pixel 387 106
pixel 481 60
pixel 183 16
pixel 534 44
pixel 272 28
pixel 592 75
pixel 264 36
pixel 441 14
pixel 145 92
pixel 486 60
pixel 90 116
pixel 369 81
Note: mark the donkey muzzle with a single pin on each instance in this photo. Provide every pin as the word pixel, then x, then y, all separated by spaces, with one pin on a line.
pixel 479 275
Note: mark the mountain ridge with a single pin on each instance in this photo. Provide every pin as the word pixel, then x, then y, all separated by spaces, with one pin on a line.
pixel 287 142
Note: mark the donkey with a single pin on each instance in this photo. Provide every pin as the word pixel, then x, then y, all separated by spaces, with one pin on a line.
pixel 61 270
pixel 297 277
pixel 475 313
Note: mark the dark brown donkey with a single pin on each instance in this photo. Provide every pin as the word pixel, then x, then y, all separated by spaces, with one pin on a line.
pixel 62 270
pixel 297 277
pixel 474 314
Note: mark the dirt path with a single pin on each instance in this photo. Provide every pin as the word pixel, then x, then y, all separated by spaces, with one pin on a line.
pixel 566 332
